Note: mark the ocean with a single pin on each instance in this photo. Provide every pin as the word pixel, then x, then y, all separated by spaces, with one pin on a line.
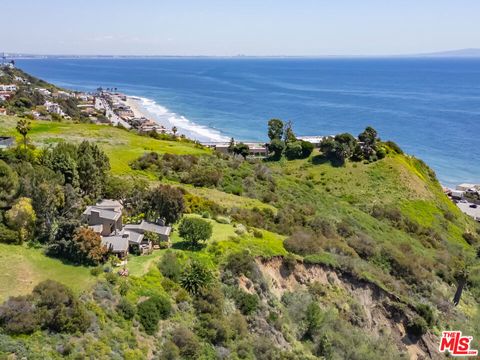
pixel 429 106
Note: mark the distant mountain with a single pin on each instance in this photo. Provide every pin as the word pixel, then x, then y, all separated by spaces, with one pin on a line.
pixel 455 53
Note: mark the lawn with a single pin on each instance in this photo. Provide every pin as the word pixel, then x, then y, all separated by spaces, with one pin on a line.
pixel 120 145
pixel 224 239
pixel 22 268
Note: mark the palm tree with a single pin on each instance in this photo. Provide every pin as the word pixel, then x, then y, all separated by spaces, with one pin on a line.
pixel 174 130
pixel 23 127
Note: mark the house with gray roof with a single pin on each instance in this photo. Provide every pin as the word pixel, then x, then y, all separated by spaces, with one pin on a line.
pixel 105 218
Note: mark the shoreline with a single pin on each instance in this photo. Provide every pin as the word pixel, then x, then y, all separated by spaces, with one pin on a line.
pixel 151 110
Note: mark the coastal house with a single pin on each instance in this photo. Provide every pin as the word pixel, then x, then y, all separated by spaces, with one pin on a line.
pixel 6 142
pixel 256 149
pixel 44 92
pixel 8 88
pixel 53 108
pixel 105 218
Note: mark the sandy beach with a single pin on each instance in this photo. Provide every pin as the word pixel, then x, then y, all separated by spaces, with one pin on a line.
pixel 139 111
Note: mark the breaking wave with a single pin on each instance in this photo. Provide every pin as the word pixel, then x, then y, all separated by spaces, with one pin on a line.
pixel 185 126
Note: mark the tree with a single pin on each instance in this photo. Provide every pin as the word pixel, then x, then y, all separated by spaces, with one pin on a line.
pixel 368 136
pixel 174 131
pixel 231 145
pixel 195 277
pixel 151 311
pixel 21 217
pixel 275 129
pixel 194 230
pixel 88 247
pixel 307 148
pixel 23 128
pixel 8 183
pixel 293 150
pixel 276 147
pixel 289 135
pixel 170 266
pixel 241 149
pixel 165 202
pixel 92 166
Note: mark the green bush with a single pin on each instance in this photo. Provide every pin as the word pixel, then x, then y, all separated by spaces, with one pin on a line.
pixel 97 270
pixel 8 236
pixel 195 277
pixel 151 311
pixel 417 326
pixel 426 312
pixel 246 303
pixel 126 309
pixel 187 342
pixel 170 267
pixel 195 230
pixel 51 306
pixel 111 277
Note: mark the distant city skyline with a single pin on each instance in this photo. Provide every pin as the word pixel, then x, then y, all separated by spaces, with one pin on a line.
pixel 230 28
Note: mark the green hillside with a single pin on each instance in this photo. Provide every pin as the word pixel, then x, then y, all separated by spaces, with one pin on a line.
pixel 294 243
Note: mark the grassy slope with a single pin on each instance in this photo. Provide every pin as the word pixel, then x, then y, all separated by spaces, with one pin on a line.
pixel 25 267
pixel 22 268
pixel 120 145
pixel 338 194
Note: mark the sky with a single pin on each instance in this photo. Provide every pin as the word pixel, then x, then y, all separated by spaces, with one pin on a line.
pixel 238 27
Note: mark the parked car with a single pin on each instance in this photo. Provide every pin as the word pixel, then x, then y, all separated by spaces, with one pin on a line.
pixel 473 206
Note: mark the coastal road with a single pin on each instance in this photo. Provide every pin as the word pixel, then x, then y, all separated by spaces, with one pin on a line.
pixel 102 104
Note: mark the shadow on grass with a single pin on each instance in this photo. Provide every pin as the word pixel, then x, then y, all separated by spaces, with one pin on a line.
pixel 187 246
pixel 322 159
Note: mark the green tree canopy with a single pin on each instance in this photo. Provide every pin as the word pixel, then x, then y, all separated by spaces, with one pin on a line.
pixel 165 202
pixel 275 129
pixel 194 230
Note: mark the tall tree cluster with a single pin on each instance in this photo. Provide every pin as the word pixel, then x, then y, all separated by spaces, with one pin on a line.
pixel 283 142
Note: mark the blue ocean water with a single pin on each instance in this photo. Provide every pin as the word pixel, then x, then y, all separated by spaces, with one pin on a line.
pixel 430 107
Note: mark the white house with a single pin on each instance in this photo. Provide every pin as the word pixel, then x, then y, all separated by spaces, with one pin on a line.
pixel 8 87
pixel 53 108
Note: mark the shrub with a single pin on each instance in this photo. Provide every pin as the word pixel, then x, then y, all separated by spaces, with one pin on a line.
pixel 18 316
pixel 426 312
pixel 294 150
pixel 51 306
pixel 186 341
pixel 307 148
pixel 289 262
pixel 394 147
pixel 151 311
pixel 470 238
pixel 241 263
pixel 111 277
pixel 257 233
pixel 126 309
pixel 97 270
pixel 304 243
pixel 8 236
pixel 195 277
pixel 194 230
pixel 417 326
pixel 246 303
pixel 170 266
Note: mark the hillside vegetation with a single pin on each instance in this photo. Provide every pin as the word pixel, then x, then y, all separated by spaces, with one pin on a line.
pixel 348 251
